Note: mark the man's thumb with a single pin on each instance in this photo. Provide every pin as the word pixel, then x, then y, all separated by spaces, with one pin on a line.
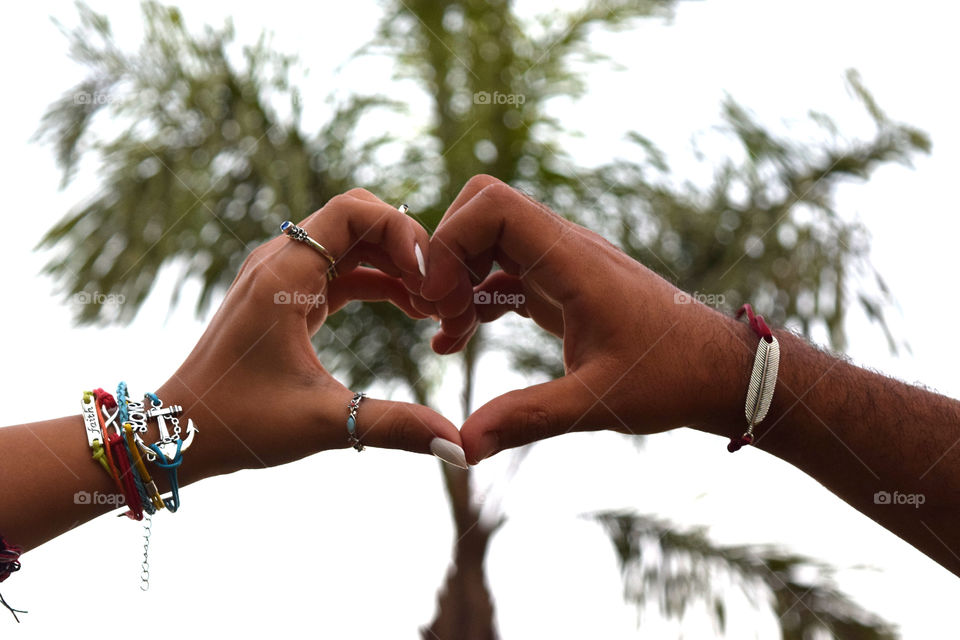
pixel 526 415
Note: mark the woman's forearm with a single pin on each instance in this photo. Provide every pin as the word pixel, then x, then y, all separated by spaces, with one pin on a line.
pixel 51 483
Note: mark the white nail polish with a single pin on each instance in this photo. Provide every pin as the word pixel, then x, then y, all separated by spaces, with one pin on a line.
pixel 420 263
pixel 448 452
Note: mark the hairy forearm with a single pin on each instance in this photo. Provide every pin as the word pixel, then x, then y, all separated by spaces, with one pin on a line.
pixel 887 448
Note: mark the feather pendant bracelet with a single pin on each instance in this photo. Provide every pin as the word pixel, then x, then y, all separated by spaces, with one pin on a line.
pixel 763 380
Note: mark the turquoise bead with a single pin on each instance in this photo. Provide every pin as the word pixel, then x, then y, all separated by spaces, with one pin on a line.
pixel 351 424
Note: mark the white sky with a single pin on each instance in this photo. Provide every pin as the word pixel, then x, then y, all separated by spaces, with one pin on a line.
pixel 341 569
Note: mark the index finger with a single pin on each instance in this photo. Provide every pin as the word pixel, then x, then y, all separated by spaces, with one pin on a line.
pixel 344 227
pixel 542 245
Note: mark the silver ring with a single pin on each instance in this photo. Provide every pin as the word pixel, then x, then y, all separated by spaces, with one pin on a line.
pixel 300 234
pixel 352 407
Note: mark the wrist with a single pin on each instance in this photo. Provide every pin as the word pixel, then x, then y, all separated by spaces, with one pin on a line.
pixel 724 375
pixel 207 456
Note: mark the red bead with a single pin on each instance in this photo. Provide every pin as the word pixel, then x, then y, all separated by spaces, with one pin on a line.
pixel 736 443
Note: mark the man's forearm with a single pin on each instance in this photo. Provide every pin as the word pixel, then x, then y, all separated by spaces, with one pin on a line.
pixel 889 449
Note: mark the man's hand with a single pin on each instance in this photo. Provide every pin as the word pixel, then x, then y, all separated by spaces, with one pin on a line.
pixel 636 350
pixel 641 356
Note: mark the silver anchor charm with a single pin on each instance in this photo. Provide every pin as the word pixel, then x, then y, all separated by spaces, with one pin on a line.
pixel 167 444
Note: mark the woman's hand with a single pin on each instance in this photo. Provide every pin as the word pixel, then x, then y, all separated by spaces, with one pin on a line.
pixel 639 355
pixel 253 384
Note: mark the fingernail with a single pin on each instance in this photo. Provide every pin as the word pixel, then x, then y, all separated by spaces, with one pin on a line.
pixel 420 262
pixel 449 452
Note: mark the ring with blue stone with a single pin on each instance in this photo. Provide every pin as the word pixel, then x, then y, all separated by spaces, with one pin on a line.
pixel 294 232
pixel 352 407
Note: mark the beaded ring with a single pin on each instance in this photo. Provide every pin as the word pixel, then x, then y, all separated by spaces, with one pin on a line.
pixel 352 407
pixel 300 234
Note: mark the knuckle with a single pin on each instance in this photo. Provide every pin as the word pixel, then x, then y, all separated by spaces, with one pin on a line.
pixel 498 192
pixel 399 433
pixel 503 196
pixel 358 192
pixel 259 252
pixel 254 257
pixel 480 181
pixel 338 200
pixel 264 283
pixel 538 423
pixel 260 276
pixel 254 262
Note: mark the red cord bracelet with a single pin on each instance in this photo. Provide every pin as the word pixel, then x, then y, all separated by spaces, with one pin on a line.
pixel 757 323
pixel 119 458
pixel 9 563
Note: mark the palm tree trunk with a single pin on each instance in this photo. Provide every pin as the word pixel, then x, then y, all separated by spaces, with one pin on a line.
pixel 464 605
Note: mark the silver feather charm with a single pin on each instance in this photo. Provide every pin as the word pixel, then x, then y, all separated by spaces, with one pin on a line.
pixel 762 381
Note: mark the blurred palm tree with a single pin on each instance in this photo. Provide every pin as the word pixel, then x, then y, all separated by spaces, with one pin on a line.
pixel 204 156
pixel 682 569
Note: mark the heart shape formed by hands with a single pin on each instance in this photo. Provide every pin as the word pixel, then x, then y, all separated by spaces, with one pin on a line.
pixel 635 352
pixel 632 356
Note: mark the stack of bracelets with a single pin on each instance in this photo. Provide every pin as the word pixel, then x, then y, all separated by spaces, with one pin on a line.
pixel 115 430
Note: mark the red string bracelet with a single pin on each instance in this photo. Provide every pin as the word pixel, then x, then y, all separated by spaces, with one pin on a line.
pixel 757 323
pixel 9 563
pixel 98 402
pixel 130 492
pixel 763 380
pixel 117 454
